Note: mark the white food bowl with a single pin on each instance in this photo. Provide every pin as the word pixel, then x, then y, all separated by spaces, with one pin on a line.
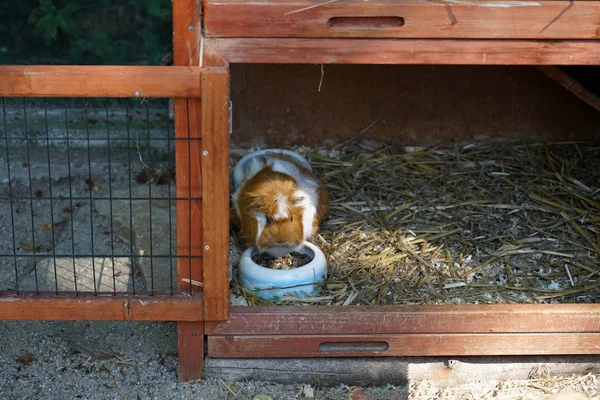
pixel 245 162
pixel 297 282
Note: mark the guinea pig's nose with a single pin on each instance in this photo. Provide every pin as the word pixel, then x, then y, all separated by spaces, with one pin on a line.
pixel 281 242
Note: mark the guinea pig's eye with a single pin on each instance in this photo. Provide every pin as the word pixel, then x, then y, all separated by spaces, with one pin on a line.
pixel 291 218
pixel 269 219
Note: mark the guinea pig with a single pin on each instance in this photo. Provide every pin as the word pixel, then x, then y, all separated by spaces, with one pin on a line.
pixel 279 203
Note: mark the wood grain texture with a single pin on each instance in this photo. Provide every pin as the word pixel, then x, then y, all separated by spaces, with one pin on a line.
pixel 186 32
pixel 190 350
pixel 459 344
pixel 186 51
pixel 408 51
pixel 322 320
pixel 215 192
pixel 478 19
pixel 571 85
pixel 380 371
pixel 211 58
pixel 376 371
pixel 188 116
pixel 103 307
pixel 413 100
pixel 188 185
pixel 98 81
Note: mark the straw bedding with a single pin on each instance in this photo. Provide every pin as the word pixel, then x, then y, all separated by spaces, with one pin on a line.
pixel 481 221
pixel 543 387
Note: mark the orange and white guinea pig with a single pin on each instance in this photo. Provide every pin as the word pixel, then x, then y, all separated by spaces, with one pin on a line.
pixel 279 202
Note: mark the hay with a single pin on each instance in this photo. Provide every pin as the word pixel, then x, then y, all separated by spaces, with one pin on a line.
pixel 576 387
pixel 484 221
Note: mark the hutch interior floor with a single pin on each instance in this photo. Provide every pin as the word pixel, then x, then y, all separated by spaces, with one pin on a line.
pixel 482 221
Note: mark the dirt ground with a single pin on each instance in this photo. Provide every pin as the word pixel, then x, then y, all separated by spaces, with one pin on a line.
pixel 134 360
pixel 125 360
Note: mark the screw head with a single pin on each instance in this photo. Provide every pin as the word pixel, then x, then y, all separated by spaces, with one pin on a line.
pixel 205 153
pixel 206 248
pixel 194 333
pixel 137 93
pixel 191 27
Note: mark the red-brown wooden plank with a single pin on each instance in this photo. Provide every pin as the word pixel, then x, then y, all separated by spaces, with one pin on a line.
pixel 408 51
pixel 480 19
pixel 215 192
pixel 186 48
pixel 190 350
pixel 99 81
pixel 87 306
pixel 186 32
pixel 572 85
pixel 462 344
pixel 186 51
pixel 188 185
pixel 323 320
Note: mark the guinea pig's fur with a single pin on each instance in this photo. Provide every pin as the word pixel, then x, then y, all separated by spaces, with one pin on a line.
pixel 279 203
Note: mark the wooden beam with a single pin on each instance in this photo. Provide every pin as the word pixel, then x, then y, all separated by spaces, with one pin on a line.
pixel 186 51
pixel 101 307
pixel 408 51
pixel 323 320
pixel 98 81
pixel 381 371
pixel 215 192
pixel 186 48
pixel 376 371
pixel 188 185
pixel 459 344
pixel 476 19
pixel 190 351
pixel 566 81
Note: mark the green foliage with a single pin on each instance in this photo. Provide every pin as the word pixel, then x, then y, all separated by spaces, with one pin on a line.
pixel 49 19
pixel 77 32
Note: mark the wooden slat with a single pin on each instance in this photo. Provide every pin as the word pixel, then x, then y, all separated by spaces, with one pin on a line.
pixel 481 19
pixel 381 371
pixel 186 51
pixel 186 32
pixel 188 184
pixel 215 192
pixel 190 350
pixel 571 85
pixel 323 320
pixel 87 306
pixel 408 51
pixel 460 344
pixel 99 81
pixel 376 371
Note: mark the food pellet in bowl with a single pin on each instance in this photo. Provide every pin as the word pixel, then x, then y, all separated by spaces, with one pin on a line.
pixel 289 261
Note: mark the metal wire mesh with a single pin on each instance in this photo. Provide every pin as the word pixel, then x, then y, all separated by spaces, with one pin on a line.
pixel 87 188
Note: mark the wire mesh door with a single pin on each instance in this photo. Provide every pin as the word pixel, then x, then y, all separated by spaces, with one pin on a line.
pixel 102 196
pixel 90 196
